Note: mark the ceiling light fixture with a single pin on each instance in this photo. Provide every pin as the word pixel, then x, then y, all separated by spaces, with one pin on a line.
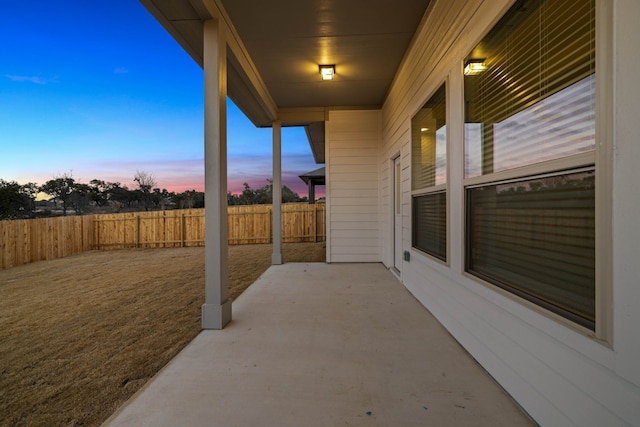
pixel 474 67
pixel 327 71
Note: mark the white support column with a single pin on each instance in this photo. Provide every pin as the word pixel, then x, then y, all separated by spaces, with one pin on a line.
pixel 276 256
pixel 216 311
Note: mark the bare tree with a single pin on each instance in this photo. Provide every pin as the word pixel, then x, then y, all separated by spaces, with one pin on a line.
pixel 146 181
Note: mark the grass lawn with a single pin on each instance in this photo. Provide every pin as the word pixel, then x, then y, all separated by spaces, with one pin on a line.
pixel 80 335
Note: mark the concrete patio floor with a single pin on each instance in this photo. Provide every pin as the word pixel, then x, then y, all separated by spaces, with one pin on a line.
pixel 323 345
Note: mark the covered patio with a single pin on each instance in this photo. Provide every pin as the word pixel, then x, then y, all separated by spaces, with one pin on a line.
pixel 347 344
pixel 323 345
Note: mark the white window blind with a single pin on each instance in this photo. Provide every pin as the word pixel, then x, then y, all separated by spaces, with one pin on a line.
pixel 534 235
pixel 536 239
pixel 536 101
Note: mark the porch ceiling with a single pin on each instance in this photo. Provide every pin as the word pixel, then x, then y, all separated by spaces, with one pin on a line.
pixel 276 47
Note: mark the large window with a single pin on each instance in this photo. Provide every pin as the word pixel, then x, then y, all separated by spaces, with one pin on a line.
pixel 529 156
pixel 429 176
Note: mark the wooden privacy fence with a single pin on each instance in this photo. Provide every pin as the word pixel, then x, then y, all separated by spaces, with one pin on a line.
pixel 159 229
pixel 25 241
pixel 29 240
pixel 301 222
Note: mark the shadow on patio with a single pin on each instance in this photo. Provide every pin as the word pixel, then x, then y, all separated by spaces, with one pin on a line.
pixel 323 345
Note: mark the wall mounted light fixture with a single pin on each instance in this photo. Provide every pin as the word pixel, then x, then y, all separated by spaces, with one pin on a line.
pixel 327 71
pixel 474 67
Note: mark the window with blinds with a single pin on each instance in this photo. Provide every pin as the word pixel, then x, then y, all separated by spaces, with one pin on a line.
pixel 536 99
pixel 532 101
pixel 536 239
pixel 430 224
pixel 429 176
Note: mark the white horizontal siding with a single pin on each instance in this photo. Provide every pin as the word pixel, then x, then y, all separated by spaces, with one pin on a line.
pixel 356 226
pixel 364 215
pixel 559 375
pixel 365 205
pixel 351 169
pixel 354 184
pixel 353 193
pixel 363 245
pixel 355 160
pixel 354 231
pixel 352 143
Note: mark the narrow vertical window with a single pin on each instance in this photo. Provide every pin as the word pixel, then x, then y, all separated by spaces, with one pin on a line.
pixel 429 176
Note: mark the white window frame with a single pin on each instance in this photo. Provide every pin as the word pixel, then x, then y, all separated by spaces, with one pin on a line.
pixel 439 187
pixel 601 160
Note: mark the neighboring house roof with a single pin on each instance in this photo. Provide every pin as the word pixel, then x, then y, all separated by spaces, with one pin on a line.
pixel 316 177
pixel 275 48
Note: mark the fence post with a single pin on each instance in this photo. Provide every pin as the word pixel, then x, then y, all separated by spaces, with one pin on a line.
pixel 269 226
pixel 96 234
pixel 182 230
pixel 314 216
pixel 137 231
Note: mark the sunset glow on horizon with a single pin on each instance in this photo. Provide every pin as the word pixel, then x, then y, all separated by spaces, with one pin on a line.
pixel 100 90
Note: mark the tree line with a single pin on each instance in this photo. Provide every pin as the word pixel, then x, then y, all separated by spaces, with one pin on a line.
pixel 262 195
pixel 69 195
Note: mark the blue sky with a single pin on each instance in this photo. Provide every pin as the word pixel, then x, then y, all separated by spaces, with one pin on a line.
pixel 99 89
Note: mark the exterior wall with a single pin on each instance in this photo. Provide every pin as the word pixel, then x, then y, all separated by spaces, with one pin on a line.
pixel 352 150
pixel 626 195
pixel 558 374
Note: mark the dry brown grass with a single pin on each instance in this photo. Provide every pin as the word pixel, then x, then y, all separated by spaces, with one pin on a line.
pixel 80 335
